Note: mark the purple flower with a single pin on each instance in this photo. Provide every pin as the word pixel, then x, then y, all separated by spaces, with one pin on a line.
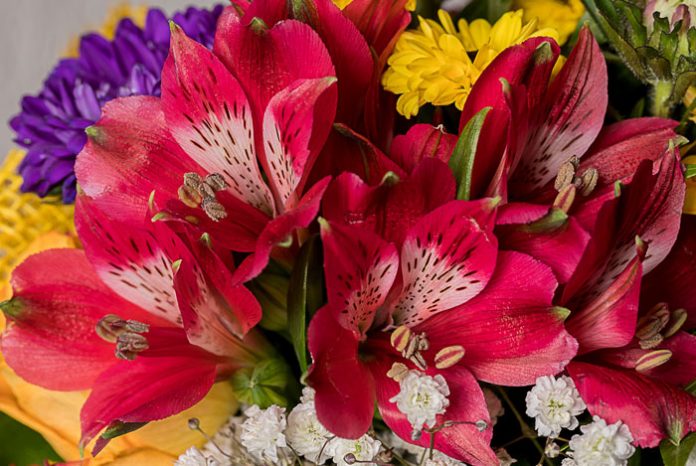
pixel 51 125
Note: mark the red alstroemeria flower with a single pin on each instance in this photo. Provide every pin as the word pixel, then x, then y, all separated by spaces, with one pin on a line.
pixel 444 280
pixel 267 97
pixel 548 127
pixel 633 366
pixel 140 291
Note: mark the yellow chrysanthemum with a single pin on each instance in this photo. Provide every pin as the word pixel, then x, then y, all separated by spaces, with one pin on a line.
pixel 561 15
pixel 432 63
pixel 690 200
pixel 24 217
pixel 410 5
pixel 108 27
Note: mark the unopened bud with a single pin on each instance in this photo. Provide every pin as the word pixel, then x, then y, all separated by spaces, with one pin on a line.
pixel 350 458
pixel 194 423
pixel 552 450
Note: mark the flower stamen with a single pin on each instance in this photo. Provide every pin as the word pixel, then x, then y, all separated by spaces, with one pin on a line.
pixel 200 192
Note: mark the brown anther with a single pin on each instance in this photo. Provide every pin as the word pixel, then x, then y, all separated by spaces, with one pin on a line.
pixel 213 209
pixel 400 338
pixel 566 174
pixel 110 327
pixel 129 344
pixel 398 371
pixel 652 360
pixel 189 196
pixel 653 322
pixel 676 321
pixel 589 178
pixel 448 357
pixel 652 342
pixel 137 327
pixel 216 181
pixel 565 198
pixel 206 191
pixel 192 180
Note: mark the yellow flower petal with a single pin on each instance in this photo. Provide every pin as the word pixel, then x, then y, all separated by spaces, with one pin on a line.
pixel 431 64
pixel 560 15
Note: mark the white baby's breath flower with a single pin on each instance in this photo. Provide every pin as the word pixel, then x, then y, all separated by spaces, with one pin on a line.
pixel 568 462
pixel 194 457
pixel 262 432
pixel 554 404
pixel 306 435
pixel 599 443
pixel 307 395
pixel 440 459
pixel 421 398
pixel 363 449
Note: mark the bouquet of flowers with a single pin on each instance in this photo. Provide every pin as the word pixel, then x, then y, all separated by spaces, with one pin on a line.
pixel 387 232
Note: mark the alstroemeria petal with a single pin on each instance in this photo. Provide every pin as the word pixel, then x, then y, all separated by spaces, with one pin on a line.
pixel 552 237
pixel 58 300
pixel 281 229
pixel 510 332
pixel 652 410
pixel 131 259
pixel 422 141
pixel 295 125
pixel 129 155
pixel 608 320
pixel 268 60
pixel 146 389
pixel 574 108
pixel 345 389
pixel 447 258
pixel 360 269
pixel 621 147
pixel 211 118
pixel 393 207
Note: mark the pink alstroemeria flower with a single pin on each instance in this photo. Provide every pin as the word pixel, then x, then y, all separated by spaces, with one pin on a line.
pixel 143 319
pixel 399 256
pixel 228 146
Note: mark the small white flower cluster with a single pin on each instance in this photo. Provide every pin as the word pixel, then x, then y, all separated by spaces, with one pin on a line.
pixel 309 438
pixel 194 457
pixel 263 432
pixel 555 405
pixel 422 398
pixel 599 443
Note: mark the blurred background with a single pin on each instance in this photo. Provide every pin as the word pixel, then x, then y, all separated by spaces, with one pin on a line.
pixel 35 33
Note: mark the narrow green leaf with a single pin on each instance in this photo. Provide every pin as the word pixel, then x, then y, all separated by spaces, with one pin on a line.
pixel 679 455
pixel 305 296
pixel 462 160
pixel 21 445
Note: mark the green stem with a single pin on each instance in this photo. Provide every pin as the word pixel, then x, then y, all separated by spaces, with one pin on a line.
pixel 662 91
pixel 527 431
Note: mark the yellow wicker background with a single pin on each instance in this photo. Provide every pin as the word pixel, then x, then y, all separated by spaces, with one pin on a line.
pixel 25 217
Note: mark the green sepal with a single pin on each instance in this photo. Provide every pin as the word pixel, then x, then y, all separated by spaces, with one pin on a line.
pixel 12 308
pixel 679 453
pixel 265 384
pixel 305 296
pixel 118 428
pixel 462 160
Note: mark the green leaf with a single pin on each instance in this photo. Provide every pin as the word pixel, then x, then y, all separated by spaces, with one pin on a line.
pixel 22 446
pixel 462 160
pixel 265 384
pixel 679 455
pixel 690 170
pixel 305 295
